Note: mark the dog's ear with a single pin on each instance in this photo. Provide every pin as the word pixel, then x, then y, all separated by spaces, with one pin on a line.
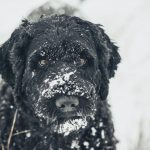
pixel 107 51
pixel 108 57
pixel 12 54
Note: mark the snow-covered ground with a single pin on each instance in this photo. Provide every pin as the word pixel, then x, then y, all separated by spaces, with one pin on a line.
pixel 127 22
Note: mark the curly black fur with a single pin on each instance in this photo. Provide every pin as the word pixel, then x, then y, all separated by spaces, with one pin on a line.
pixel 62 42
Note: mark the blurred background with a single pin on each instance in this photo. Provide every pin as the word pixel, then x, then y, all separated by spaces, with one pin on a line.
pixel 127 22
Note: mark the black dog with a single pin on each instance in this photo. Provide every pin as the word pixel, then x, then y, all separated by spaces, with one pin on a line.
pixel 57 73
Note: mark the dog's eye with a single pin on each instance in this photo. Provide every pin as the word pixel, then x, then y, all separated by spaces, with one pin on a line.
pixel 42 62
pixel 81 62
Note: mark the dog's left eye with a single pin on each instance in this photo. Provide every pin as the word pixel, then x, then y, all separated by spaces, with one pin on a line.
pixel 81 62
pixel 42 63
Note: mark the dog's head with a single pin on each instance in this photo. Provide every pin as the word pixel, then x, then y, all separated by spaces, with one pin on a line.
pixel 59 68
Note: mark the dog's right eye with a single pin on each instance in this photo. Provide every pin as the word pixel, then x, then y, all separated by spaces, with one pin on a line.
pixel 42 63
pixel 82 61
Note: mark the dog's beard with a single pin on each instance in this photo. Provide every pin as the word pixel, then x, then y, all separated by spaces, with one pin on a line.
pixel 75 124
pixel 70 125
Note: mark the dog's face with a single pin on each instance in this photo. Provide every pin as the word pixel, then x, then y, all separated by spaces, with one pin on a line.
pixel 59 79
pixel 62 70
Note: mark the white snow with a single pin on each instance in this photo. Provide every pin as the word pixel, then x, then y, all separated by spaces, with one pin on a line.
pixel 86 144
pixel 33 74
pixel 100 124
pixel 103 134
pixel 75 144
pixel 71 125
pixel 28 134
pixel 127 23
pixel 93 131
pixel 11 107
pixel 59 80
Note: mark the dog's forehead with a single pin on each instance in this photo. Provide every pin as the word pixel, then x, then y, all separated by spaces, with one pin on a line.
pixel 59 41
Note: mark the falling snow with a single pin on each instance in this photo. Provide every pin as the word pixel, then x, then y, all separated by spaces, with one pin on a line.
pixel 28 134
pixel 93 131
pixel 75 144
pixel 103 134
pixel 86 144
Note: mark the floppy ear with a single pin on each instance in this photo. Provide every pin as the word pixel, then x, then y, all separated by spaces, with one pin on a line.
pixel 12 55
pixel 107 51
pixel 108 57
pixel 113 55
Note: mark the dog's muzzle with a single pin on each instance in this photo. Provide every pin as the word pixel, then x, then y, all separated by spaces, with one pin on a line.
pixel 70 93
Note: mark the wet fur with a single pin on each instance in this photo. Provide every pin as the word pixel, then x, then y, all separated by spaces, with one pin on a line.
pixel 14 56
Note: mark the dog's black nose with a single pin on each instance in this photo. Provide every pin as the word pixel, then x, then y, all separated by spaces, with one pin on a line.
pixel 67 103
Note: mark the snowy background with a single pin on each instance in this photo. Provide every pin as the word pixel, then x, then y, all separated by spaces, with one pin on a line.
pixel 127 22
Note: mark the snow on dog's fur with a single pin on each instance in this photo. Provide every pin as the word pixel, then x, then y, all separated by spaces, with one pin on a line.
pixel 57 73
